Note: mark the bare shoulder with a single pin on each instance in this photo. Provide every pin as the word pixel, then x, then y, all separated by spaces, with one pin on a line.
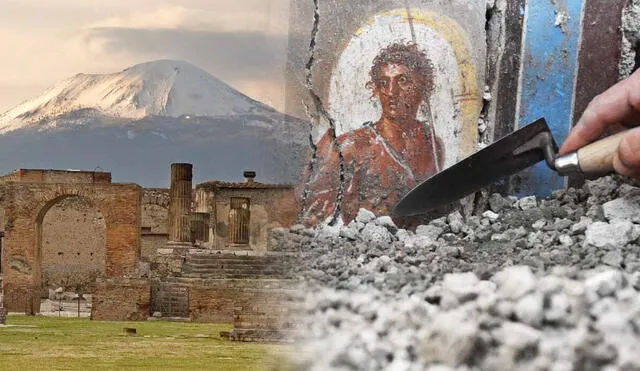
pixel 356 139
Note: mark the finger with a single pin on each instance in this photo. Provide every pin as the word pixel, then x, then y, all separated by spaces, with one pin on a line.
pixel 627 159
pixel 618 104
pixel 622 169
pixel 618 127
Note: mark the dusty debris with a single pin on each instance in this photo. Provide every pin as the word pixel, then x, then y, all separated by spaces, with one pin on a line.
pixel 528 287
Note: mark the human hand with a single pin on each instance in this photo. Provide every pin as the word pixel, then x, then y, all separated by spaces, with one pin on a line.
pixel 616 108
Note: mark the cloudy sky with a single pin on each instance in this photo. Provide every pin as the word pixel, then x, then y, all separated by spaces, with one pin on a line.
pixel 242 42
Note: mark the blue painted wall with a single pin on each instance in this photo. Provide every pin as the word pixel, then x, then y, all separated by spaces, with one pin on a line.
pixel 549 68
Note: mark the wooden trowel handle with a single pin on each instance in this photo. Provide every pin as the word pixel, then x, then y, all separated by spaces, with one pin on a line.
pixel 595 159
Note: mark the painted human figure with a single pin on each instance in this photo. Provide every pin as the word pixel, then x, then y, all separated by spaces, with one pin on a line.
pixel 382 160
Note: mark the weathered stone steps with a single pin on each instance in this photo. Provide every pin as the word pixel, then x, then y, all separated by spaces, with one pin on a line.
pixel 231 266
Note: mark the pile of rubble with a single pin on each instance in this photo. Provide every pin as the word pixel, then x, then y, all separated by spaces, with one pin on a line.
pixel 529 285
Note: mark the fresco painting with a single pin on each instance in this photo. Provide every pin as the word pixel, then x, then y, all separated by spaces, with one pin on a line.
pixel 403 104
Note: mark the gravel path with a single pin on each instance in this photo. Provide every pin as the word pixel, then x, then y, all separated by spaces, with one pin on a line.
pixel 530 285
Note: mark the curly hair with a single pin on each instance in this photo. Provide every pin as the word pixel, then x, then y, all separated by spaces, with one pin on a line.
pixel 408 55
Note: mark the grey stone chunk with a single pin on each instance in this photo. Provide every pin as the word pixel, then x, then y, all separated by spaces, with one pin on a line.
pixel 627 190
pixel 429 231
pixel 451 339
pixel 613 258
pixel 376 233
pixel 601 187
pixel 420 242
pixel 565 240
pixel 497 203
pixel 387 222
pixel 517 336
pixel 490 215
pixel 581 226
pixel 517 233
pixel 528 203
pixel 328 231
pixel 459 288
pixel 634 280
pixel 456 221
pixel 354 224
pixel 623 208
pixel 349 233
pixel 365 216
pixel 539 224
pixel 530 309
pixel 403 235
pixel 617 233
pixel 450 251
pixel 558 308
pixel 440 222
pixel 604 283
pixel 562 224
pixel 514 282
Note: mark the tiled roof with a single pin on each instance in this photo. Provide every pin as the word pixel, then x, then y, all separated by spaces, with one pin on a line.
pixel 216 184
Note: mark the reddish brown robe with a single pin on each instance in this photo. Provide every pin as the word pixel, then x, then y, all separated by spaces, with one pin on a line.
pixel 378 172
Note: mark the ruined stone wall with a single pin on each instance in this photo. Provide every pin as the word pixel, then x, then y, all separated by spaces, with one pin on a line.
pixel 121 300
pixel 149 245
pixel 155 221
pixel 269 208
pixel 11 177
pixel 73 245
pixel 155 209
pixel 270 312
pixel 216 300
pixel 213 301
pixel 56 176
pixel 27 205
pixel 155 217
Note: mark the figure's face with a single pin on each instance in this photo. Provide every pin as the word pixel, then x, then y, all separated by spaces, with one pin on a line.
pixel 400 91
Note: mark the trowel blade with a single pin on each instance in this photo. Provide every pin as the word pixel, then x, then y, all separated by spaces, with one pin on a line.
pixel 476 171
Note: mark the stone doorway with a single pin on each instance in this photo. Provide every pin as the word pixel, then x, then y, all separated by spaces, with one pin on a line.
pixel 72 243
pixel 26 206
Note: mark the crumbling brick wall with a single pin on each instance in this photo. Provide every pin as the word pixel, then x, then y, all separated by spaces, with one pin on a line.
pixel 250 303
pixel 73 245
pixel 120 300
pixel 155 221
pixel 26 207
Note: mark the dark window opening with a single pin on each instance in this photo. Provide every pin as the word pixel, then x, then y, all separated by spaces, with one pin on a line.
pixel 239 220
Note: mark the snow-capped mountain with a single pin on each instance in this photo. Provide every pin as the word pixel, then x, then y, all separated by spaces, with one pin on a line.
pixel 135 122
pixel 160 88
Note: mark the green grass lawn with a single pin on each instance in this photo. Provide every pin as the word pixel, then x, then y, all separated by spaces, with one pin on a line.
pixel 50 343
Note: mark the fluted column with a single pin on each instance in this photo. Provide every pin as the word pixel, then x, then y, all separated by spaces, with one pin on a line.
pixel 180 203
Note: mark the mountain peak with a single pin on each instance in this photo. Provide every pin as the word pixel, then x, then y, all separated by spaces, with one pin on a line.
pixel 164 87
pixel 164 66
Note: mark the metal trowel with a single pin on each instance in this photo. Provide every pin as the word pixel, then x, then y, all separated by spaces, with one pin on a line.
pixel 509 155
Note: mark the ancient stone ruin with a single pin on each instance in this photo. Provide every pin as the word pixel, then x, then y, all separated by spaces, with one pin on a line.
pixel 73 241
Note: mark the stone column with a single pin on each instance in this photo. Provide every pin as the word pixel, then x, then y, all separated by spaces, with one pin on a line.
pixel 180 203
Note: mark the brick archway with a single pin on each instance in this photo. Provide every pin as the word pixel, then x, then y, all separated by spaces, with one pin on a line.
pixel 70 238
pixel 28 203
